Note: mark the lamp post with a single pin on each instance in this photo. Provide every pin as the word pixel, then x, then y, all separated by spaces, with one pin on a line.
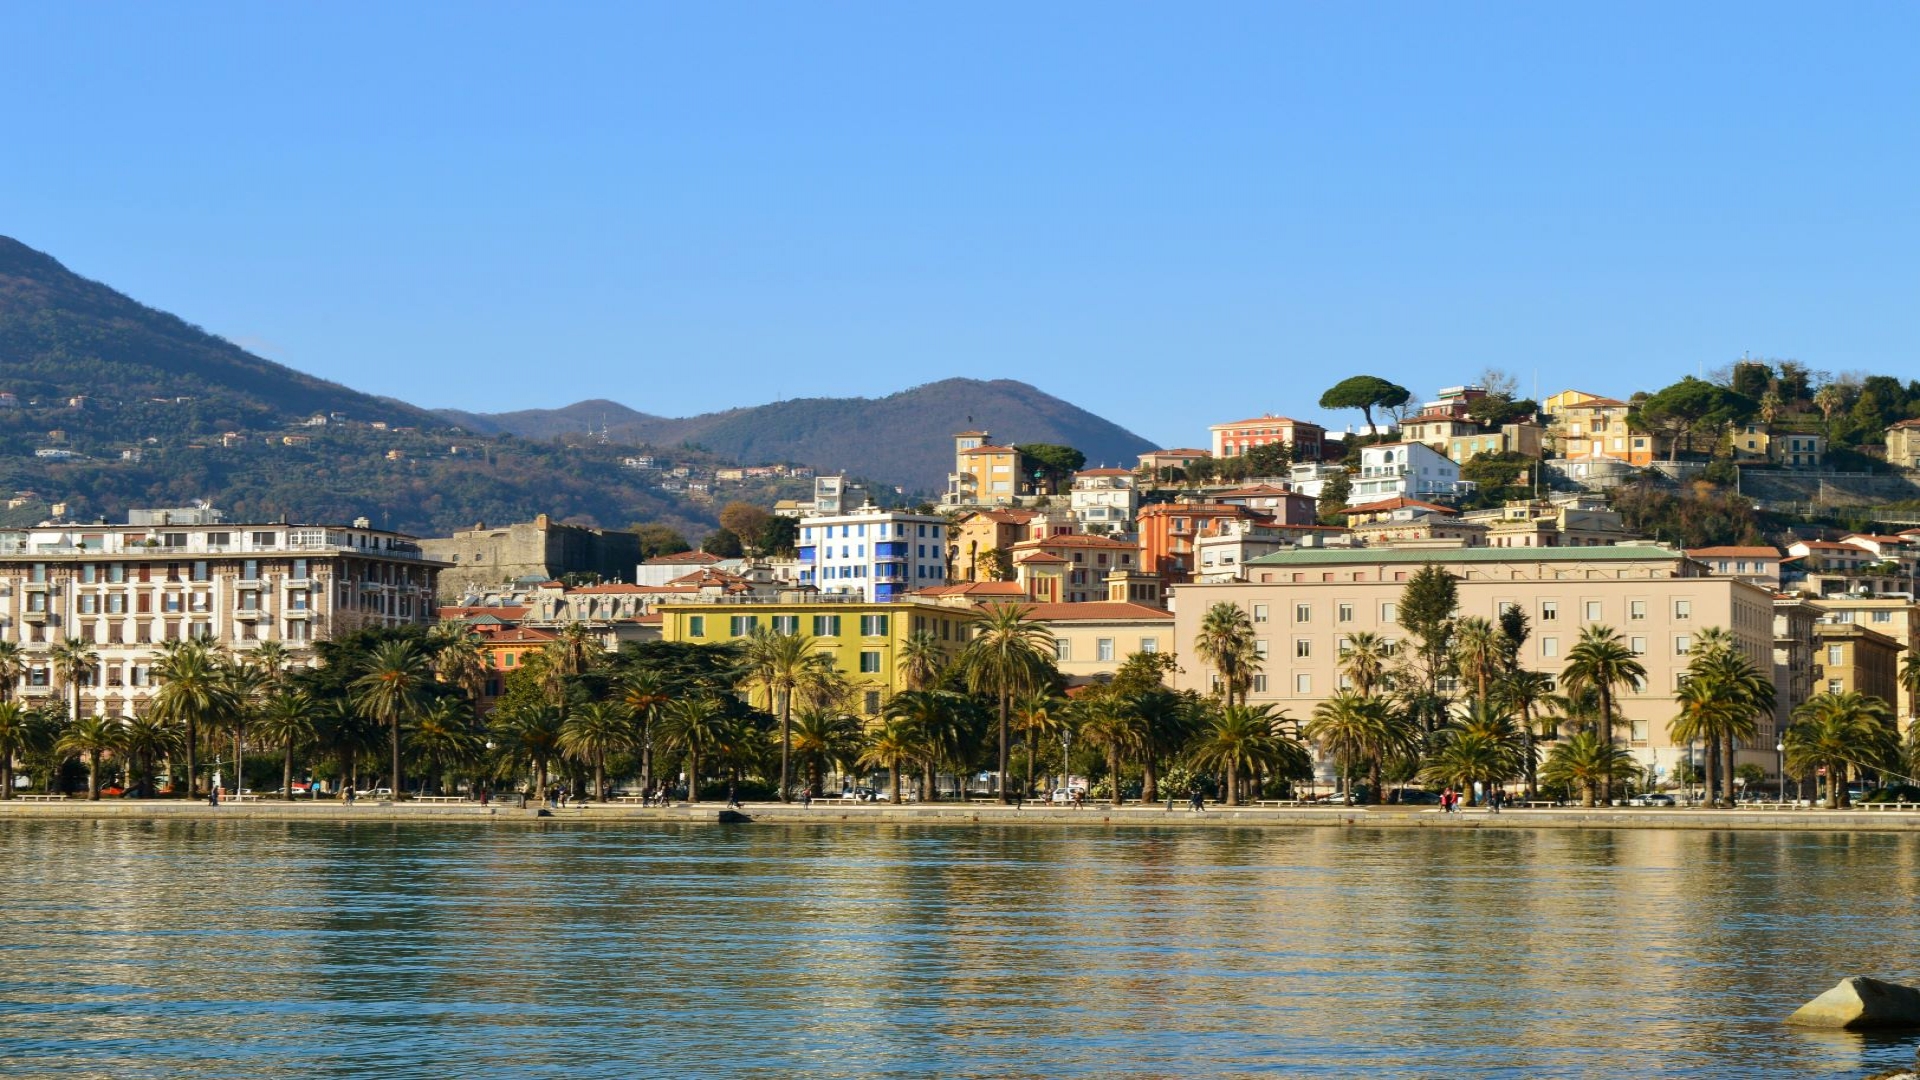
pixel 1780 752
pixel 1066 768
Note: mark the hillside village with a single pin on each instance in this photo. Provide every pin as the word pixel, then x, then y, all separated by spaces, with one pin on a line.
pixel 1555 520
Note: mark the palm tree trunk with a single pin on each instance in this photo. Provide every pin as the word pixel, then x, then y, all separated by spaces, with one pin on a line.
pixel 193 741
pixel 1029 788
pixel 893 783
pixel 286 773
pixel 1533 767
pixel 93 774
pixel 1005 795
pixel 1373 780
pixel 6 778
pixel 599 777
pixel 1149 780
pixel 1233 784
pixel 398 788
pixel 1113 774
pixel 786 744
pixel 693 777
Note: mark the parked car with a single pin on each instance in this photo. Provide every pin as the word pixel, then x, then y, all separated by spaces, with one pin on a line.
pixel 1414 796
pixel 861 794
pixel 1651 798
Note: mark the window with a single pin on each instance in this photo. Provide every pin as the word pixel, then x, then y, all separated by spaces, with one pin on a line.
pixel 696 626
pixel 1883 616
pixel 1149 645
pixel 873 701
pixel 1836 655
pixel 1103 648
pixel 250 570
pixel 742 625
pixel 870 662
pixel 1682 609
pixel 786 625
pixel 1260 648
pixel 116 573
pixel 1835 686
pixel 200 572
pixel 1636 609
pixel 1303 683
pixel 1549 647
pixel 1549 610
pixel 1303 613
pixel 1639 733
pixel 1389 613
pixel 1303 648
pixel 1682 644
pixel 88 573
pixel 826 626
pixel 873 625
pixel 297 600
pixel 1062 650
pixel 1637 646
pixel 86 603
pixel 299 569
pixel 1593 611
pixel 1259 613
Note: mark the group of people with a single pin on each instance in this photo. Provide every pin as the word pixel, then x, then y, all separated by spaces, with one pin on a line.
pixel 1450 800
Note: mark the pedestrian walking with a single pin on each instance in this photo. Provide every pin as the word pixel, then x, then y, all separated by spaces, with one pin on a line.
pixel 733 798
pixel 1196 801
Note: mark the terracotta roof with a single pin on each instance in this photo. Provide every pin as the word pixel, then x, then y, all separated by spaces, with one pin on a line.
pixel 683 557
pixel 1097 610
pixel 1257 489
pixel 1005 517
pixel 1039 557
pixel 1262 420
pixel 974 588
pixel 1182 450
pixel 1903 424
pixel 1596 403
pixel 651 619
pixel 613 589
pixel 516 635
pixel 1399 502
pixel 1080 540
pixel 991 450
pixel 1871 538
pixel 1734 552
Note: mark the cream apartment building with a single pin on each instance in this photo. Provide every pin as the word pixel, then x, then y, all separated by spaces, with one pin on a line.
pixel 1304 604
pixel 1895 616
pixel 126 589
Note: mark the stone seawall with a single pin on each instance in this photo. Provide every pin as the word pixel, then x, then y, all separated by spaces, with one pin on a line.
pixel 836 814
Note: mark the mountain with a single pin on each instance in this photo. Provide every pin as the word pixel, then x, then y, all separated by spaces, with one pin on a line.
pixel 63 335
pixel 898 439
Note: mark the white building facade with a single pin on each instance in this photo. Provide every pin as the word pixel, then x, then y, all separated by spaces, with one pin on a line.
pixel 873 553
pixel 1408 470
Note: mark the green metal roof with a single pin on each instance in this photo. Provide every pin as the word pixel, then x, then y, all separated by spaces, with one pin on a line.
pixel 1362 556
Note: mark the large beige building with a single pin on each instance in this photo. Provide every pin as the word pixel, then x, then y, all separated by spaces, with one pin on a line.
pixel 1305 603
pixel 179 574
pixel 1896 617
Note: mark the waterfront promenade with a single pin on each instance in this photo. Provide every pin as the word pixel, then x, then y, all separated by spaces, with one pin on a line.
pixel 835 812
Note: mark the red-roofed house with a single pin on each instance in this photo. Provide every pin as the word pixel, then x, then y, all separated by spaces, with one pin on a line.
pixel 1104 500
pixel 1236 437
pixel 1758 564
pixel 1075 569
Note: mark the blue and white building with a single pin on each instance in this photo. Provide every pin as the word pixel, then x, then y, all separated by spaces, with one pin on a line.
pixel 873 553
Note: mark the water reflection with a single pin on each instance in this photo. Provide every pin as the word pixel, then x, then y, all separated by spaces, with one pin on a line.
pixel 267 949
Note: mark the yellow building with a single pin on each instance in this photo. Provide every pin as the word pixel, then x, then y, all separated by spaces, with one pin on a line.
pixel 864 639
pixel 1849 657
pixel 983 474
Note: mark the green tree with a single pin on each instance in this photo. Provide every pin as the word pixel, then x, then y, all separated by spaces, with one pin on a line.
pixel 921 658
pixel 1109 723
pixel 786 664
pixel 745 521
pixel 1479 653
pixel 1239 739
pixel 1601 662
pixel 1008 657
pixel 1585 762
pixel 1483 746
pixel 1840 732
pixel 1721 703
pixel 74 661
pixel 891 745
pixel 1335 490
pixel 1524 694
pixel 1040 718
pixel 824 739
pixel 145 740
pixel 287 721
pixel 1226 644
pixel 1055 464
pixel 697 727
pixel 1366 393
pixel 722 543
pixel 1360 732
pixel 193 693
pixel 90 737
pixel 21 733
pixel 394 689
pixel 1427 607
pixel 526 735
pixel 645 692
pixel 594 732
pixel 13 665
pixel 658 540
pixel 1690 403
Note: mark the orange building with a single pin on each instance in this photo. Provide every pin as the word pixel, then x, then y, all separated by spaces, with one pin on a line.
pixel 1070 568
pixel 1239 436
pixel 1167 532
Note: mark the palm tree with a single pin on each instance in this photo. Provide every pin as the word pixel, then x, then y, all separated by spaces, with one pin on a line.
pixel 271 658
pixel 442 739
pixel 1360 730
pixel 145 740
pixel 74 660
pixel 941 725
pixel 394 689
pixel 1364 660
pixel 1721 703
pixel 594 731
pixel 645 693
pixel 1167 720
pixel 696 726
pixel 1008 657
pixel 1909 681
pixel 1109 723
pixel 1479 652
pixel 13 665
pixel 785 663
pixel 21 732
pixel 1524 692
pixel 1483 746
pixel 1586 762
pixel 92 736
pixel 527 736
pixel 1601 661
pixel 921 658
pixel 824 739
pixel 1237 737
pixel 193 693
pixel 458 658
pixel 1039 718
pixel 248 685
pixel 891 743
pixel 286 720
pixel 1840 732
pixel 1226 643
pixel 575 650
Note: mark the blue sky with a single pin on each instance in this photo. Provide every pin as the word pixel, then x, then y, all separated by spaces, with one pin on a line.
pixel 1172 215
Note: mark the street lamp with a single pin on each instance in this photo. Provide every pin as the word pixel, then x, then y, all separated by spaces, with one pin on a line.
pixel 1780 751
pixel 1066 769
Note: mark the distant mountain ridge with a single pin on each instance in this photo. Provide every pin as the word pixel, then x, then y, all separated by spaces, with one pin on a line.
pixel 898 439
pixel 63 334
